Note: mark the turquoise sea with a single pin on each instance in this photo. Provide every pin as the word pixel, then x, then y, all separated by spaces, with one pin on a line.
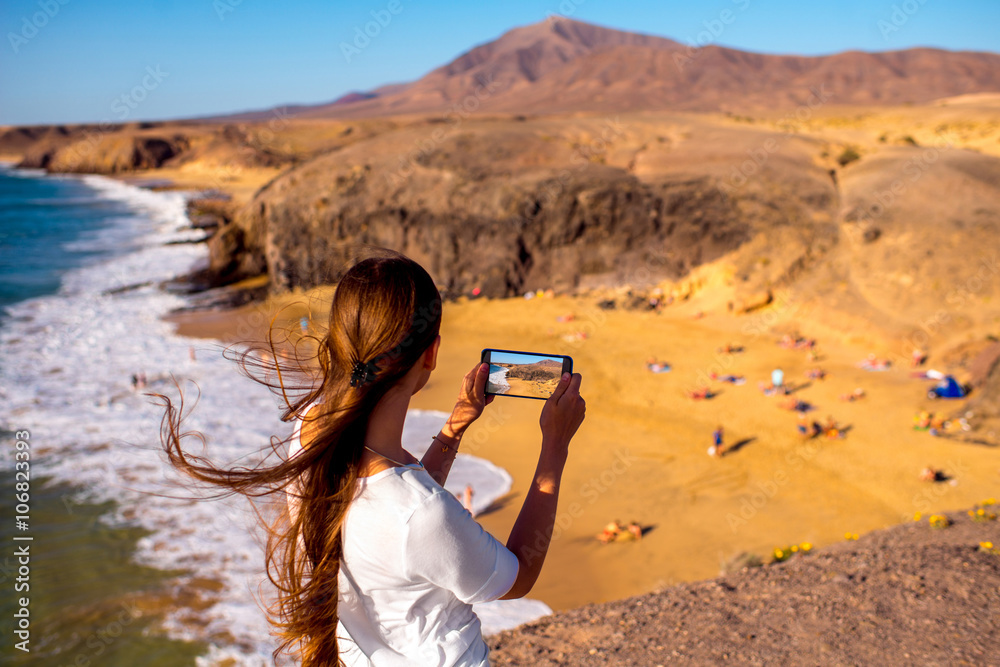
pixel 88 599
pixel 127 566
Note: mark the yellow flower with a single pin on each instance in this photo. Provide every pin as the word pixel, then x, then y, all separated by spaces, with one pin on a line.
pixel 806 546
pixel 986 545
pixel 981 511
pixel 794 548
pixel 990 501
pixel 917 516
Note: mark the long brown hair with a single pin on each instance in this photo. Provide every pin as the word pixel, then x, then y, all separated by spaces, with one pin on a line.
pixel 386 312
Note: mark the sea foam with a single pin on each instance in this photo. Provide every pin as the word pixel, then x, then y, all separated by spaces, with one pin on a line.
pixel 66 366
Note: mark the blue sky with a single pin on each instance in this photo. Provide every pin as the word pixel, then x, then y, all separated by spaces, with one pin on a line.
pixel 508 358
pixel 88 61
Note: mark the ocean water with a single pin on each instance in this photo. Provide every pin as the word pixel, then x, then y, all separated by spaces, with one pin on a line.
pixel 497 382
pixel 177 581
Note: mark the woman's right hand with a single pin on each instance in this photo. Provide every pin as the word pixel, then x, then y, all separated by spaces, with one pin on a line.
pixel 563 413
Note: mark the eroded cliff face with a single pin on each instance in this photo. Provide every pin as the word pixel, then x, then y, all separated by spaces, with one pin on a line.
pixel 602 227
pixel 103 152
pixel 503 209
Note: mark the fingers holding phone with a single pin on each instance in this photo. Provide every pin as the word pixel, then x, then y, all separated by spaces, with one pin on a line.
pixel 472 398
pixel 564 411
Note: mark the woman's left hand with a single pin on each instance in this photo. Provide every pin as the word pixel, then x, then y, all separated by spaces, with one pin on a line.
pixel 472 399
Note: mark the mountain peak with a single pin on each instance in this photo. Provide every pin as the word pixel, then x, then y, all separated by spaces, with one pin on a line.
pixel 562 64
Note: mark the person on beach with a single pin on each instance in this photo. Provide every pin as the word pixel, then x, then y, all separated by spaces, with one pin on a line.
pixel 611 532
pixel 716 448
pixel 635 530
pixel 373 561
pixel 700 394
pixel 656 366
pixel 778 380
pixel 467 499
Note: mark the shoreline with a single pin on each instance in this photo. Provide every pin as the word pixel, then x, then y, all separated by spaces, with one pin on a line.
pixel 867 484
pixel 636 458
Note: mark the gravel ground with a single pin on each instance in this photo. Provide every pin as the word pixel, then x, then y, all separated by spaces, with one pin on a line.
pixel 907 595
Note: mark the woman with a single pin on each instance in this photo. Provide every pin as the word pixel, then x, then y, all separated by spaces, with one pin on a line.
pixel 374 562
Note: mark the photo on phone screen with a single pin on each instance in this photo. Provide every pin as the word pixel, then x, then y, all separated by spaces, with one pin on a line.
pixel 524 374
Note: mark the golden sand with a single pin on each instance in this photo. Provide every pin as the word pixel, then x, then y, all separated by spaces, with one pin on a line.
pixel 641 452
pixel 519 387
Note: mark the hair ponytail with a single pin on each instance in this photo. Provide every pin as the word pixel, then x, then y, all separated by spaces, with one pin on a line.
pixel 386 312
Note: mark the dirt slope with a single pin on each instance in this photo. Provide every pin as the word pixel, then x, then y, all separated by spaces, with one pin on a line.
pixel 909 595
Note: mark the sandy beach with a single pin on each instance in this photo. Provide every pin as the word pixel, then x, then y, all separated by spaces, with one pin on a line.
pixel 519 387
pixel 641 453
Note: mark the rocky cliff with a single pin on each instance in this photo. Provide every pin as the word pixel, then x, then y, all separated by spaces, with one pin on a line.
pixel 511 207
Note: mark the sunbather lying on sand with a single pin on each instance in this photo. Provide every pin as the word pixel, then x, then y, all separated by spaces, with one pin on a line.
pixel 797 343
pixel 930 474
pixel 855 395
pixel 794 404
pixel 831 428
pixel 873 363
pixel 657 366
pixel 808 430
pixel 611 532
pixel 768 388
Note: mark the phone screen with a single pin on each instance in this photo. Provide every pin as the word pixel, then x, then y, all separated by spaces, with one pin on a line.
pixel 524 374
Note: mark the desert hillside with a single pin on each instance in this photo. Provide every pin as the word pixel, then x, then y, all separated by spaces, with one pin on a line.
pixel 877 224
pixel 882 222
pixel 908 595
pixel 562 65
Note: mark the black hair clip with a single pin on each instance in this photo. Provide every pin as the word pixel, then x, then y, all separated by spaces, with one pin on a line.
pixel 363 373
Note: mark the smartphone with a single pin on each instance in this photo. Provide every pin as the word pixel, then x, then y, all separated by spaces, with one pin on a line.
pixel 524 374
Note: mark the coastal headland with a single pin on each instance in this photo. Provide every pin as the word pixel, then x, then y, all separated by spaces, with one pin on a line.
pixel 846 239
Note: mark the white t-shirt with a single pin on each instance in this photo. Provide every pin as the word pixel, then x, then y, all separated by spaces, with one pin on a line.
pixel 414 562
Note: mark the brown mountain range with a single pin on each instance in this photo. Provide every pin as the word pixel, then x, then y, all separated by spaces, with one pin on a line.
pixel 563 65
